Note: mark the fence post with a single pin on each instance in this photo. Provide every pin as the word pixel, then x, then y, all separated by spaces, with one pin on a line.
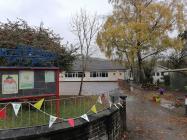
pixel 186 105
pixel 57 93
pixel 123 114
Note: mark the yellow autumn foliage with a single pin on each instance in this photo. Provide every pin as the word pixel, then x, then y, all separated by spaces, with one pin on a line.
pixel 138 27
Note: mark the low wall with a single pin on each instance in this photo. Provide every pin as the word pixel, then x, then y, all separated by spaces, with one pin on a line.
pixel 109 124
pixel 89 88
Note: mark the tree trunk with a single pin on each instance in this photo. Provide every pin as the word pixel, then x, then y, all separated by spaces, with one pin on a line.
pixel 84 61
pixel 132 71
pixel 129 63
pixel 82 78
pixel 140 70
pixel 80 89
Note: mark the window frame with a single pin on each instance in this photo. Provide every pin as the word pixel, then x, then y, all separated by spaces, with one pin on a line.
pixel 101 74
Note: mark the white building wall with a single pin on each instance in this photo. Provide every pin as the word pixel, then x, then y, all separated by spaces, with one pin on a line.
pixel 157 75
pixel 112 76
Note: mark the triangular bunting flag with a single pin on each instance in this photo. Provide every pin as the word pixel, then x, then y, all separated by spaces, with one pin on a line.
pixel 38 105
pixel 71 122
pixel 120 105
pixel 3 114
pixel 16 107
pixel 99 100
pixel 52 119
pixel 93 109
pixel 103 98
pixel 110 103
pixel 85 117
pixel 116 106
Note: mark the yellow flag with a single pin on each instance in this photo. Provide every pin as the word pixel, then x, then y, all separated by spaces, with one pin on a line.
pixel 93 109
pixel 38 105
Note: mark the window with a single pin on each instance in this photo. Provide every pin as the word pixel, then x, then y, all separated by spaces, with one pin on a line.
pixel 69 74
pixel 92 74
pixel 74 74
pixel 158 73
pixel 79 74
pixel 98 74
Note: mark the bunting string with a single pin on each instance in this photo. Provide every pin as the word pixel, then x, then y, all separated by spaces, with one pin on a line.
pixel 5 106
pixel 52 119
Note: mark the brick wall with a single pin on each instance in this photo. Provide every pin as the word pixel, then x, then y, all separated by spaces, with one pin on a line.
pixel 106 125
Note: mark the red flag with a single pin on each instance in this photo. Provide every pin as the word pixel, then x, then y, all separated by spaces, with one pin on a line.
pixel 71 122
pixel 2 113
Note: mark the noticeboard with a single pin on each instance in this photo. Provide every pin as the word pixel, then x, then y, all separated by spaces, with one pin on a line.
pixel 28 82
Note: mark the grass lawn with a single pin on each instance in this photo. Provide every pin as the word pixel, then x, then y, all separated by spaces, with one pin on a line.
pixel 71 107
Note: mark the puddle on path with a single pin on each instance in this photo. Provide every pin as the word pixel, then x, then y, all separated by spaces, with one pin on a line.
pixel 167 104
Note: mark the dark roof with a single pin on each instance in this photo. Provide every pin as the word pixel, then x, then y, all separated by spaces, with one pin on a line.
pixel 97 64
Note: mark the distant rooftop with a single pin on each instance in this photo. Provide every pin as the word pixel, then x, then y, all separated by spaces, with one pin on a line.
pixel 98 64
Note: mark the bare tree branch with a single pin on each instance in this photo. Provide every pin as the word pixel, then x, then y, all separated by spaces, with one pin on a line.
pixel 85 28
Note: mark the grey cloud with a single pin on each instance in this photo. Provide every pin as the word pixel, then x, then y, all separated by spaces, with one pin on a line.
pixel 55 14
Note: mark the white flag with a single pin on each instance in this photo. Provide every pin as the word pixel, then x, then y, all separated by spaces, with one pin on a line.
pixel 52 119
pixel 16 107
pixel 120 104
pixel 99 100
pixel 110 103
pixel 116 106
pixel 85 117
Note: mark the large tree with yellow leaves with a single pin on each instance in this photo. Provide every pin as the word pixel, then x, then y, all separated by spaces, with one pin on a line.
pixel 139 29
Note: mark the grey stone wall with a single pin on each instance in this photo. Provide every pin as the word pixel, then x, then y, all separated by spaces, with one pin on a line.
pixel 106 125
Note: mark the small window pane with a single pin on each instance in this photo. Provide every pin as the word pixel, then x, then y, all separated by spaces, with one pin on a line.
pixel 94 74
pixel 107 74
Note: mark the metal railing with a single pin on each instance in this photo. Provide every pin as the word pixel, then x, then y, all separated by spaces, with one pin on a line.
pixel 69 107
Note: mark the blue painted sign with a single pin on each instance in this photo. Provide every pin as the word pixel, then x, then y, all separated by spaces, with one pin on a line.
pixel 27 55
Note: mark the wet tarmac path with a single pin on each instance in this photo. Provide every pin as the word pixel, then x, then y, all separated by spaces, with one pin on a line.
pixel 149 121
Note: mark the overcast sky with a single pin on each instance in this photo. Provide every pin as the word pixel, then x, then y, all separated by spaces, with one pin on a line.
pixel 55 14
